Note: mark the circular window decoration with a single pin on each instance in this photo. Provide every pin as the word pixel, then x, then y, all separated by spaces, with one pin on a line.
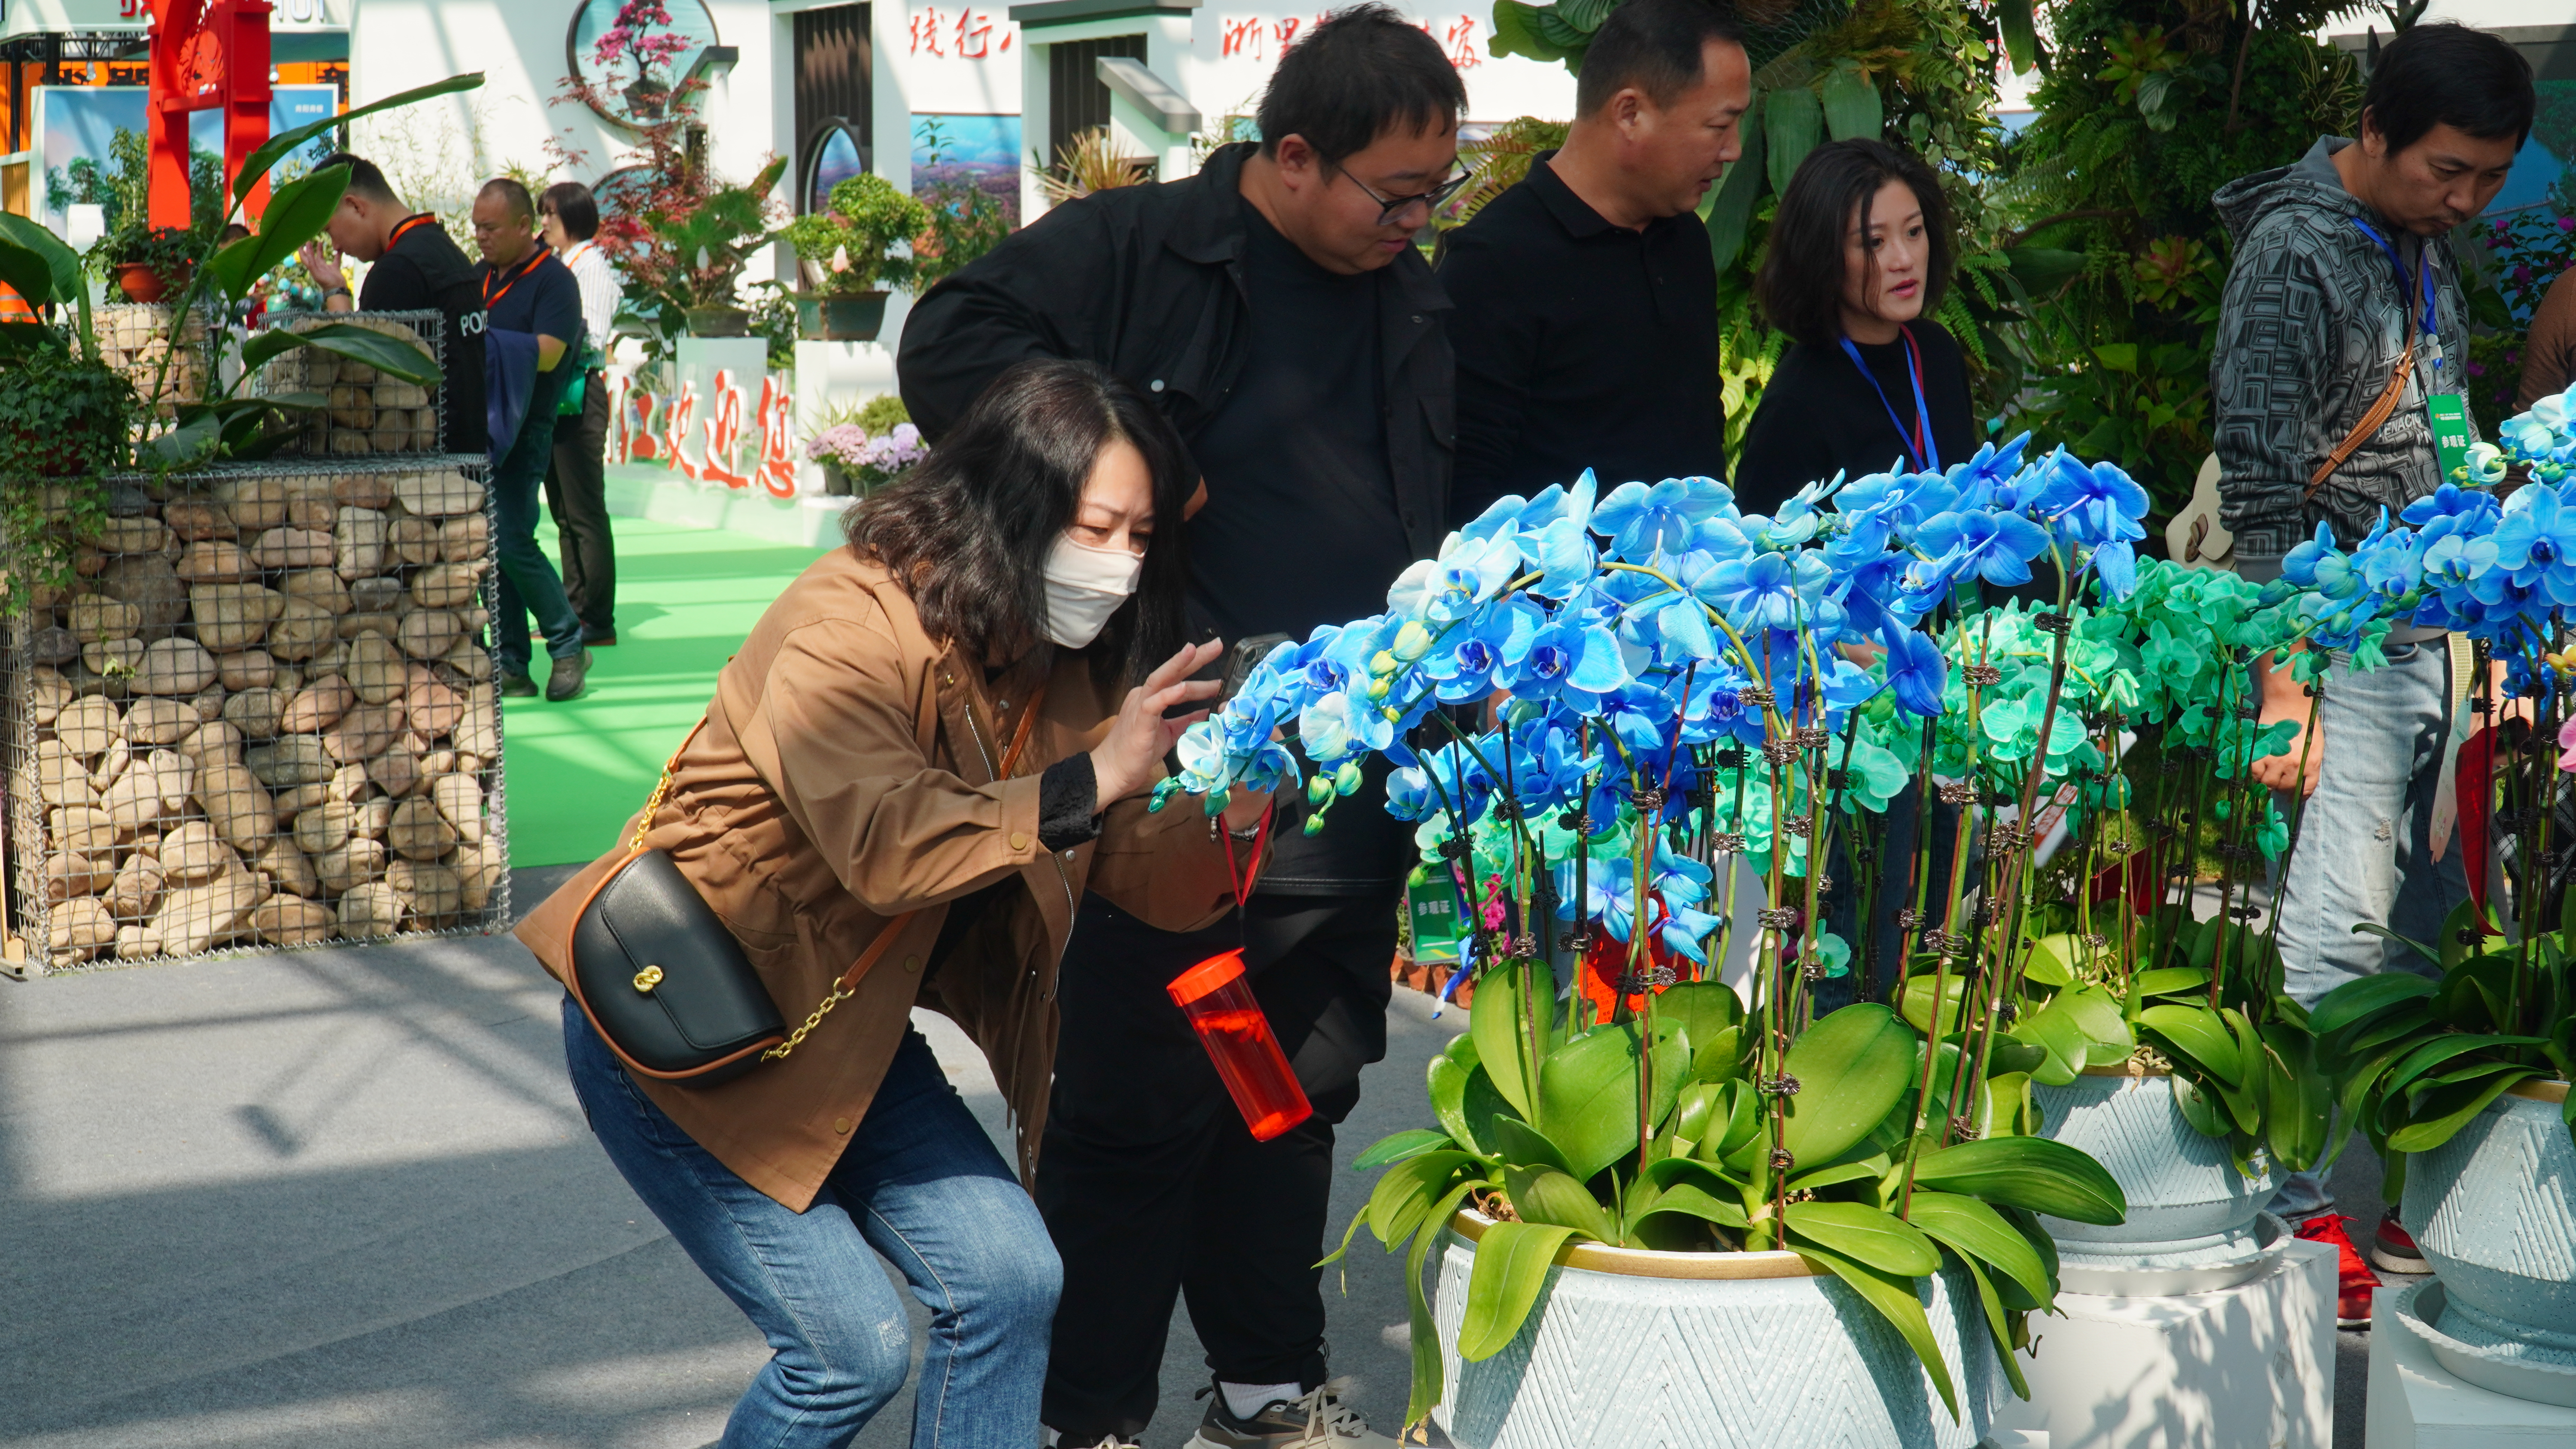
pixel 631 53
pixel 833 155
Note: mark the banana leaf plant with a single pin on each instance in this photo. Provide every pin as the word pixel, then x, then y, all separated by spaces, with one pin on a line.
pixel 227 423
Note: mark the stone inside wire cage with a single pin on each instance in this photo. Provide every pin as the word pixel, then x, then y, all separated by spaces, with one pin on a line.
pixel 260 714
pixel 363 411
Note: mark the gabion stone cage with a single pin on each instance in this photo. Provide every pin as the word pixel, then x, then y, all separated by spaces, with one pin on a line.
pixel 134 338
pixel 259 715
pixel 369 413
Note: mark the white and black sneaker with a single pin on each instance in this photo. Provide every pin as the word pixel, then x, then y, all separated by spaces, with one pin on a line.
pixel 1317 1420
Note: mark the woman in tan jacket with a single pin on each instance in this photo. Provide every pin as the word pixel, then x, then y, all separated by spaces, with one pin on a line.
pixel 1006 592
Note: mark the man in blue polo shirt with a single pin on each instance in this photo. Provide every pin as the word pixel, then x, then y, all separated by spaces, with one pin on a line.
pixel 530 320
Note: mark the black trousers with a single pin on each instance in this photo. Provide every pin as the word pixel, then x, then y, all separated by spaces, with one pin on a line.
pixel 577 497
pixel 1152 1187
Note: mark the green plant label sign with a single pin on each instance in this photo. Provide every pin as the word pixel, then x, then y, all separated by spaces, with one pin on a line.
pixel 1432 904
pixel 2450 435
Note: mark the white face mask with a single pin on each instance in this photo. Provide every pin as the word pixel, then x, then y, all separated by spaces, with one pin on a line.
pixel 1084 586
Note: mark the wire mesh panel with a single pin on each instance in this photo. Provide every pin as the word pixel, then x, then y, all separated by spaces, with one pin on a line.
pixel 134 338
pixel 260 715
pixel 369 413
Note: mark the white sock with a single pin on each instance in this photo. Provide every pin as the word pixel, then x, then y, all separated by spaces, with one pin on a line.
pixel 1245 1400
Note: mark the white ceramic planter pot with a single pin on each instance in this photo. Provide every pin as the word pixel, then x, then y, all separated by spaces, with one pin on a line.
pixel 2195 1223
pixel 2494 1210
pixel 1638 1350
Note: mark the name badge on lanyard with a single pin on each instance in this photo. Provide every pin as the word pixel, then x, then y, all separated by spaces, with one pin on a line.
pixel 2445 412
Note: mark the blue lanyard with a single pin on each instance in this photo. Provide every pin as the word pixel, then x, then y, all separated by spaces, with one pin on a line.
pixel 1919 449
pixel 2423 271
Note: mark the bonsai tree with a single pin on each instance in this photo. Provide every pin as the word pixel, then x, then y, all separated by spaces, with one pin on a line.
pixel 848 248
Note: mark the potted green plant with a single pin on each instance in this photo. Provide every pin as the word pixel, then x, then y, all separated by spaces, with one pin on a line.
pixel 149 262
pixel 66 416
pixel 704 243
pixel 847 251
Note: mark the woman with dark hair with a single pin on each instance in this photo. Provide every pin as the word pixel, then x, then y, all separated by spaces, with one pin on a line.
pixel 1859 256
pixel 942 731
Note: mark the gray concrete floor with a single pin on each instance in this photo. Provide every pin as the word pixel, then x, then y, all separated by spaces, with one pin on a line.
pixel 345 1197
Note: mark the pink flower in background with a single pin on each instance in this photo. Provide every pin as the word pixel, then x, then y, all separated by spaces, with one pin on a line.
pixel 2567 743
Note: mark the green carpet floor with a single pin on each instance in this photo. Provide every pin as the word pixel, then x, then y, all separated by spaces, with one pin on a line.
pixel 685 599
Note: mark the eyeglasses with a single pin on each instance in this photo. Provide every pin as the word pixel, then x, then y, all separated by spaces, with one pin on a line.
pixel 1389 207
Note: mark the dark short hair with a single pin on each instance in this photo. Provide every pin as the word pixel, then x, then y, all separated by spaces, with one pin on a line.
pixel 364 179
pixel 2445 74
pixel 512 194
pixel 572 204
pixel 1360 74
pixel 1657 46
pixel 1801 282
pixel 967 530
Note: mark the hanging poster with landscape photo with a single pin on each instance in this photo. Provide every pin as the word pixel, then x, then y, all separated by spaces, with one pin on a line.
pixel 976 151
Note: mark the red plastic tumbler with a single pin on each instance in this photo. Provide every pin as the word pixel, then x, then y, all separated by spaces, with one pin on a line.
pixel 1219 1004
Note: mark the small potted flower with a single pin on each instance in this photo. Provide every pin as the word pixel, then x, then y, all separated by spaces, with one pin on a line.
pixel 641 32
pixel 149 263
pixel 856 464
pixel 845 254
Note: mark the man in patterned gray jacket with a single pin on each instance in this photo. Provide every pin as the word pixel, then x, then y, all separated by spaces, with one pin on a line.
pixel 2340 260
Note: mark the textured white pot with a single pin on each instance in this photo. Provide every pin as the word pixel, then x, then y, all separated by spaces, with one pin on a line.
pixel 2494 1210
pixel 2192 1216
pixel 1638 1350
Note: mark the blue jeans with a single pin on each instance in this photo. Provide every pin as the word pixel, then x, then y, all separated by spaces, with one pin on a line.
pixel 528 578
pixel 2364 850
pixel 919 1184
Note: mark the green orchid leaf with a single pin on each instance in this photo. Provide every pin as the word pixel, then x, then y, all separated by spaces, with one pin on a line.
pixel 2061 1043
pixel 1980 1232
pixel 1896 1300
pixel 1852 1069
pixel 1997 1323
pixel 2447 1109
pixel 1865 1234
pixel 1397 1207
pixel 2098 1015
pixel 1588 1092
pixel 1512 1263
pixel 1916 1001
pixel 1664 1172
pixel 2198 1111
pixel 1690 1199
pixel 1525 1146
pixel 2200 1034
pixel 1840 1172
pixel 2407 1021
pixel 2169 981
pixel 1545 1195
pixel 1743 1107
pixel 1387 1151
pixel 2355 1000
pixel 1500 1019
pixel 2051 960
pixel 1700 1104
pixel 2444 1048
pixel 282 145
pixel 1719 1056
pixel 2027 1172
pixel 2298 1118
pixel 1427 1373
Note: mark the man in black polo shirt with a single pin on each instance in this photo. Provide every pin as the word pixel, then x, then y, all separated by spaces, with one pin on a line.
pixel 1587 301
pixel 412 265
pixel 1276 307
pixel 528 328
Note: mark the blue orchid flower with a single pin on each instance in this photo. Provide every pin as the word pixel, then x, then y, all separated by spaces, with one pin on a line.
pixel 1917 671
pixel 1565 655
pixel 1641 522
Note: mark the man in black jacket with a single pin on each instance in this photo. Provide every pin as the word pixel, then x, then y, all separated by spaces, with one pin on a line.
pixel 1587 300
pixel 412 265
pixel 1276 307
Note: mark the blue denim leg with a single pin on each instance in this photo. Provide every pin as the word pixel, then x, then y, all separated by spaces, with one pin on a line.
pixel 919 1183
pixel 2364 852
pixel 528 579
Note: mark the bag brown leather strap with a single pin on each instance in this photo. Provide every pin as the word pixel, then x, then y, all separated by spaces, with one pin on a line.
pixel 2381 408
pixel 844 988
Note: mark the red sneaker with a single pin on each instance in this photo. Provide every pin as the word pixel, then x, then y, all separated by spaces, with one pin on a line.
pixel 2354 1280
pixel 2394 1248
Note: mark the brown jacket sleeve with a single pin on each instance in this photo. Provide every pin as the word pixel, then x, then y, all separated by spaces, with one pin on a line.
pixel 2549 353
pixel 832 734
pixel 1162 867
